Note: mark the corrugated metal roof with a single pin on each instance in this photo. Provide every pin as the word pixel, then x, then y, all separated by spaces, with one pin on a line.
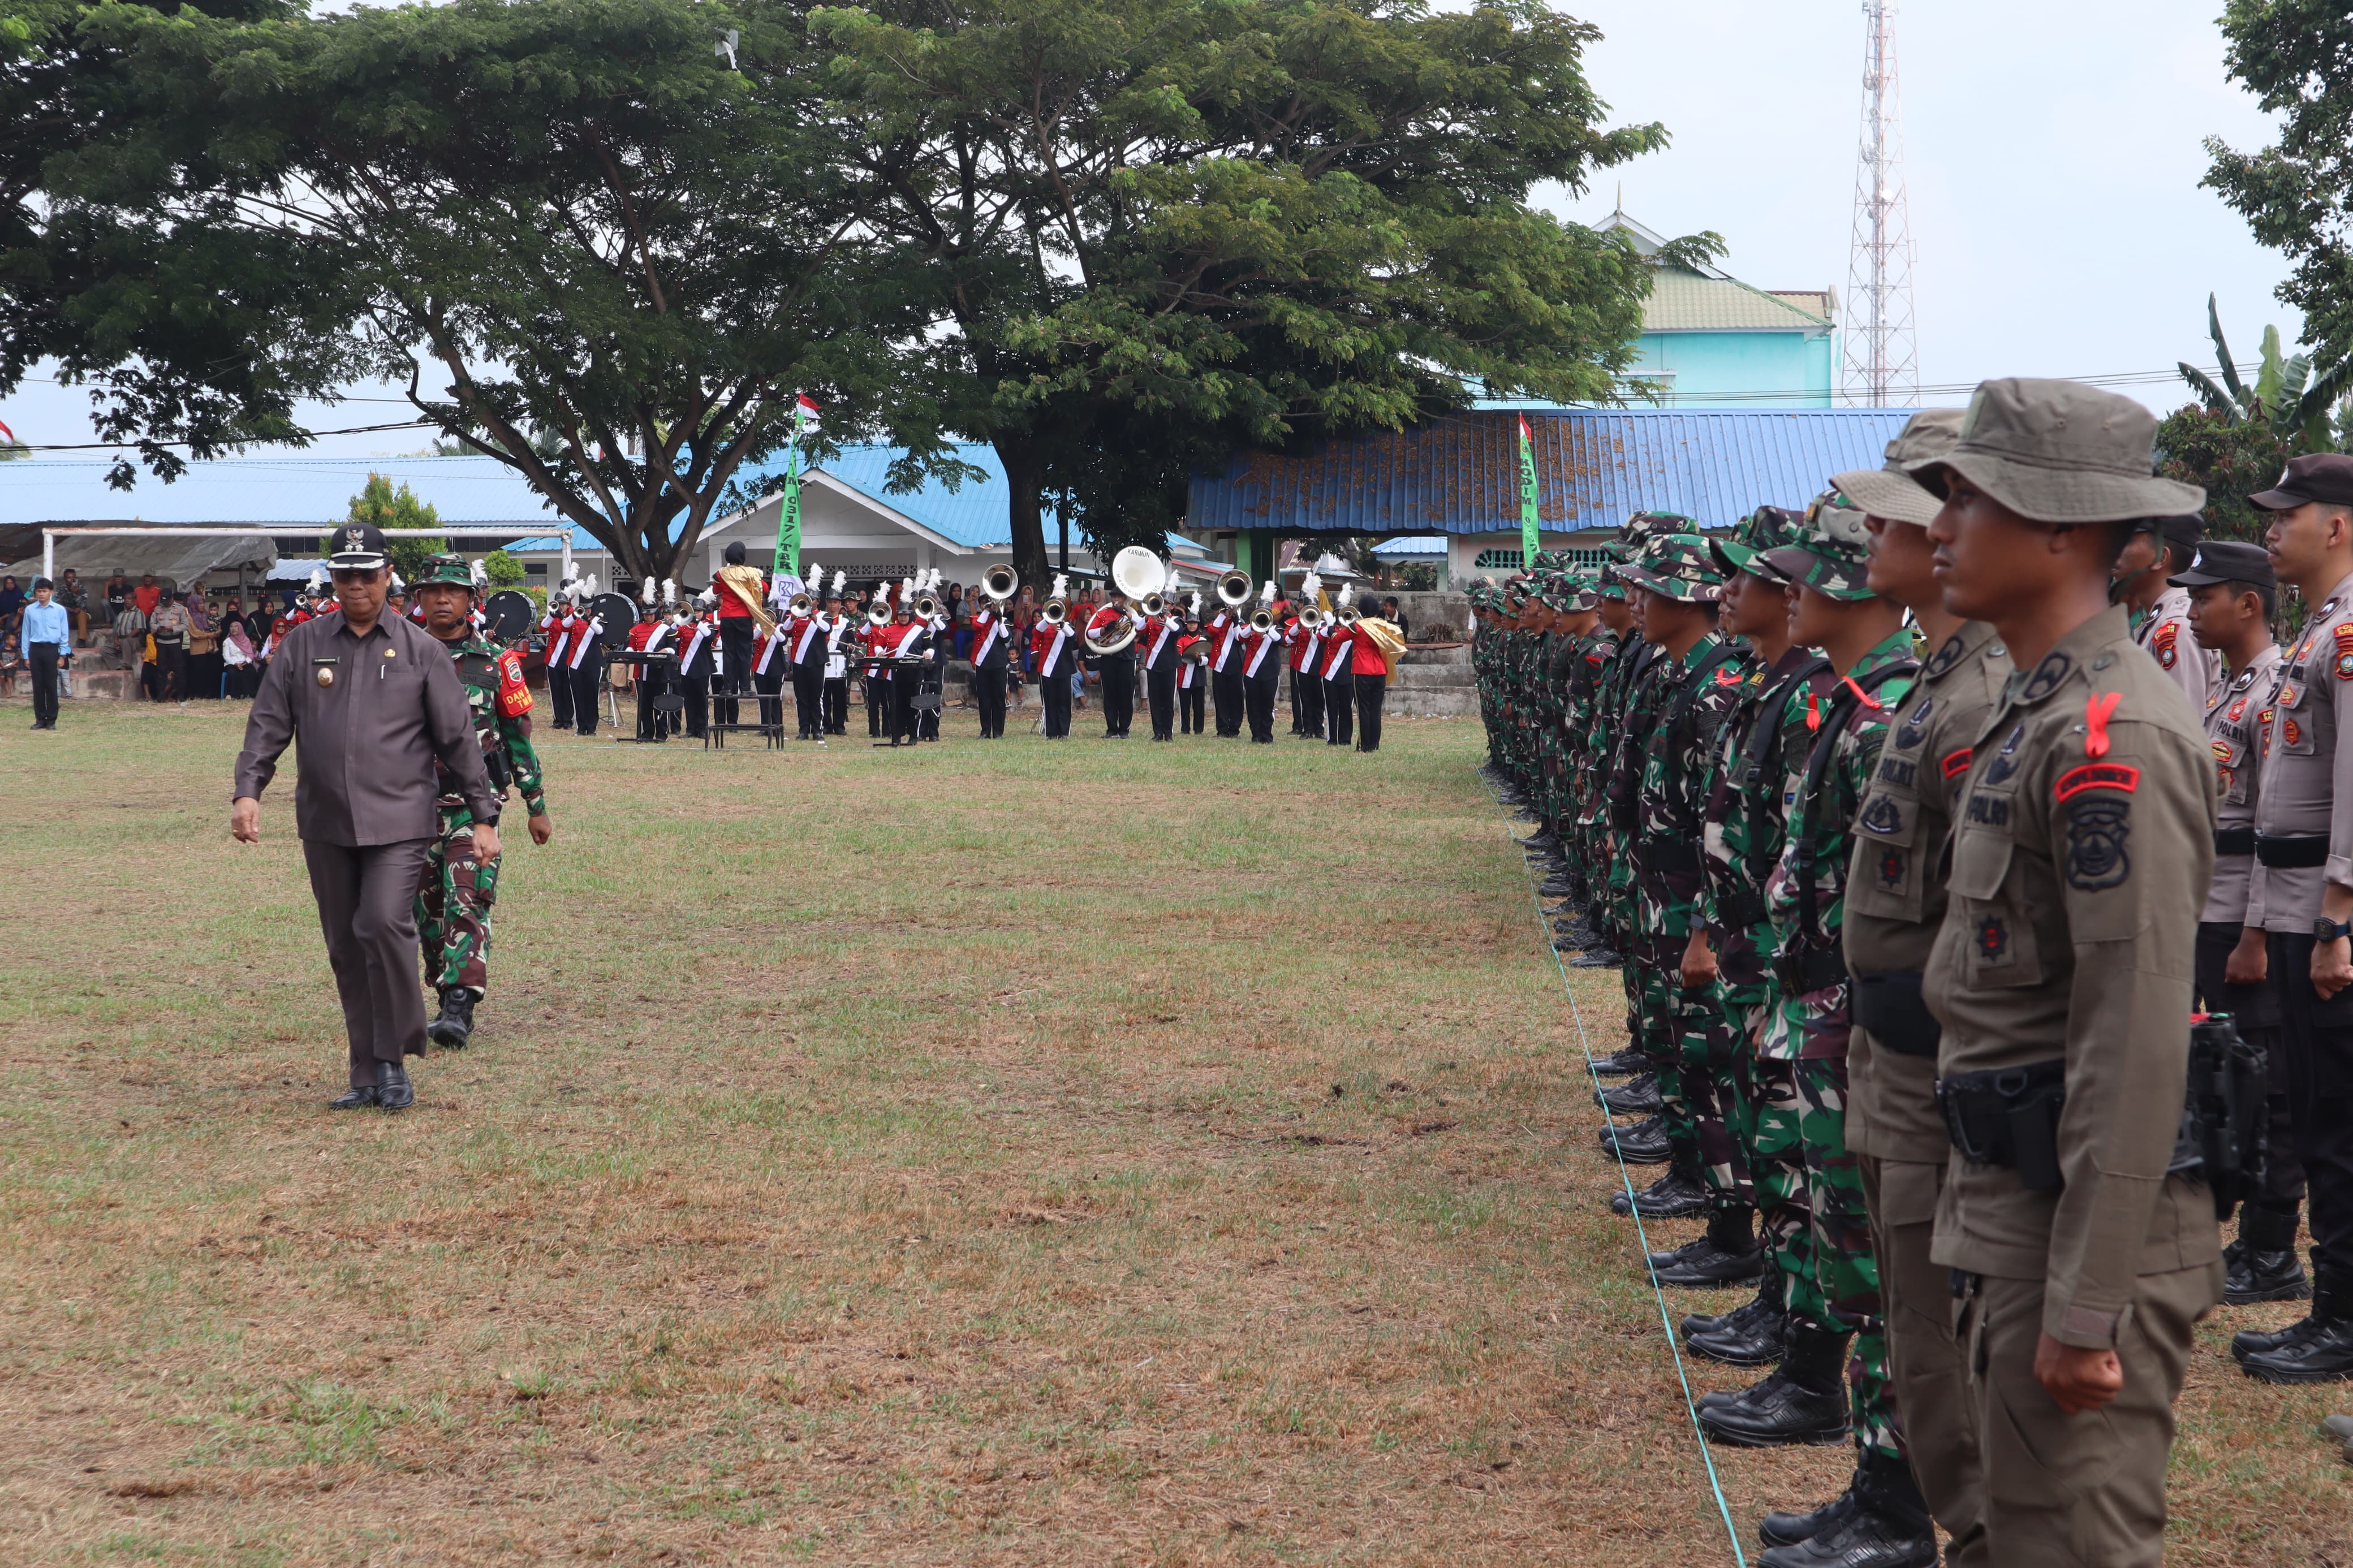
pixel 1595 466
pixel 289 490
pixel 1682 302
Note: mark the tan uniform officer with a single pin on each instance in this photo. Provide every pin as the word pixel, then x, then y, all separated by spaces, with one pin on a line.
pixel 1895 904
pixel 2303 895
pixel 2161 607
pixel 2061 978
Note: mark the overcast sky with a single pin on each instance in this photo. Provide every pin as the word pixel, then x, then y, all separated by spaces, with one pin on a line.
pixel 2052 154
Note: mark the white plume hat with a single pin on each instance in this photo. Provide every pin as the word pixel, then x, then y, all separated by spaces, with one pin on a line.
pixel 1309 586
pixel 669 590
pixel 481 575
pixel 840 582
pixel 1062 586
pixel 646 594
pixel 585 590
pixel 1266 595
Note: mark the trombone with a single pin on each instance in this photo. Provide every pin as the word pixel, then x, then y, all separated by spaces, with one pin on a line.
pixel 1234 589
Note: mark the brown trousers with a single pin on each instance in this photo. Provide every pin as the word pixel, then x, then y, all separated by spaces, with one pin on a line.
pixel 367 896
pixel 2078 1492
pixel 1924 1361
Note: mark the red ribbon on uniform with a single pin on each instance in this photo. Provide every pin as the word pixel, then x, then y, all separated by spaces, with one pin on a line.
pixel 2097 711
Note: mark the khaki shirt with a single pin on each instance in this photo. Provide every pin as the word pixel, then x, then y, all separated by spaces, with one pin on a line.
pixel 2081 849
pixel 2164 632
pixel 2306 789
pixel 366 741
pixel 1896 886
pixel 2234 733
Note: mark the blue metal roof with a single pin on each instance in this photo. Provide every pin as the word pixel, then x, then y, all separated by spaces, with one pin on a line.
pixel 276 489
pixel 1595 468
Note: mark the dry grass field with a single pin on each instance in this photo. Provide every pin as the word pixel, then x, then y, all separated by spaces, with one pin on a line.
pixel 1021 1154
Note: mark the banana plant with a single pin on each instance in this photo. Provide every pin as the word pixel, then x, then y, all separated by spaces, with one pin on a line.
pixel 2286 399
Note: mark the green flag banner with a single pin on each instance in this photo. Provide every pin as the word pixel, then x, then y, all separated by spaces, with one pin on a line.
pixel 1528 544
pixel 788 514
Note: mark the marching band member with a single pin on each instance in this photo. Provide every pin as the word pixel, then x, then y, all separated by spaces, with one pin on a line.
pixel 900 639
pixel 1306 667
pixel 805 633
pixel 1160 675
pixel 1260 671
pixel 991 650
pixel 1339 681
pixel 931 678
pixel 1049 646
pixel 742 594
pixel 836 662
pixel 1192 671
pixel 768 675
pixel 698 661
pixel 1118 669
pixel 584 657
pixel 557 627
pixel 1224 673
pixel 652 634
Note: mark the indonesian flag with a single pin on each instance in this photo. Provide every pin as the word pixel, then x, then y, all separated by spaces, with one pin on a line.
pixel 804 413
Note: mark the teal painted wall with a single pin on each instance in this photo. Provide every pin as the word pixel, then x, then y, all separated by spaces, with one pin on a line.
pixel 1709 365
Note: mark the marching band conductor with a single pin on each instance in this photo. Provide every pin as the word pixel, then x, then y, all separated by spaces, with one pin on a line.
pixel 370 701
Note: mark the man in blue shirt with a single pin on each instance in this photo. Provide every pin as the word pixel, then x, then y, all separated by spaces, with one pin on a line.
pixel 46 638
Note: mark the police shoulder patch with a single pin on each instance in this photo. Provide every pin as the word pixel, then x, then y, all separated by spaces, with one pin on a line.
pixel 2096 775
pixel 1943 660
pixel 2046 677
pixel 514 692
pixel 2096 835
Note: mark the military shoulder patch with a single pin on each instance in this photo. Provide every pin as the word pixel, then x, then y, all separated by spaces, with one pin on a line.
pixel 514 692
pixel 2163 644
pixel 2096 835
pixel 2095 775
pixel 1955 764
pixel 2046 677
pixel 1943 660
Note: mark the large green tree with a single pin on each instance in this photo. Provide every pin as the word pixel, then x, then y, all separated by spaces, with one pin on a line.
pixel 1154 230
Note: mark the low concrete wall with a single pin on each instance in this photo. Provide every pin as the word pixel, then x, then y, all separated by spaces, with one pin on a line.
pixel 1431 692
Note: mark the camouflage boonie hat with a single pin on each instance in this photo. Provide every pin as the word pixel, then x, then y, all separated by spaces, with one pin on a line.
pixel 446 570
pixel 1581 589
pixel 1677 566
pixel 1767 528
pixel 1831 550
pixel 1643 527
pixel 1608 585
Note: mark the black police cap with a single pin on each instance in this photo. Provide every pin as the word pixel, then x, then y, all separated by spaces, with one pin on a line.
pixel 2227 561
pixel 2325 477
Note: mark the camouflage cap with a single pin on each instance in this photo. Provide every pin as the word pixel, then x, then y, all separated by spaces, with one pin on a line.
pixel 447 570
pixel 1767 528
pixel 1643 527
pixel 1581 588
pixel 1830 550
pixel 1677 566
pixel 1608 585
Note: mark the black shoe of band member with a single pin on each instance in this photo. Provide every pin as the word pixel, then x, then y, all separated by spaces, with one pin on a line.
pixel 1804 1400
pixel 1644 1144
pixel 455 1026
pixel 1674 1195
pixel 1758 1340
pixel 358 1097
pixel 1638 1096
pixel 1726 1255
pixel 2324 1354
pixel 1884 1525
pixel 393 1091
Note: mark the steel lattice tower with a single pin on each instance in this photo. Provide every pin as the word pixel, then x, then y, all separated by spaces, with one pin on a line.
pixel 1882 361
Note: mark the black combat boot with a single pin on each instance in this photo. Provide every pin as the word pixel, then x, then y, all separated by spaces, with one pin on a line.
pixel 1885 1524
pixel 1624 1062
pixel 2324 1354
pixel 455 1026
pixel 1638 1096
pixel 1755 1335
pixel 1644 1144
pixel 2262 1265
pixel 1726 1255
pixel 392 1088
pixel 1804 1400
pixel 1770 1290
pixel 1789 1529
pixel 1601 957
pixel 1674 1195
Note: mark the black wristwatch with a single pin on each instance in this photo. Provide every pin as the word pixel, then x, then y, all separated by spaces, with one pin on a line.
pixel 2326 930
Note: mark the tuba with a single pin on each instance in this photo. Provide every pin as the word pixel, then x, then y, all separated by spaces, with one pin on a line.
pixel 1234 589
pixel 1116 638
pixel 1000 584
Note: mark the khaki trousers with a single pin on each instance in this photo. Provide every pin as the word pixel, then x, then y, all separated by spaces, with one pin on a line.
pixel 1924 1361
pixel 2078 1492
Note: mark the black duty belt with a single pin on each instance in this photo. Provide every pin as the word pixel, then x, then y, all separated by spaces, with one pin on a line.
pixel 2009 1116
pixel 2234 840
pixel 1891 1007
pixel 1740 909
pixel 1802 971
pixel 1670 854
pixel 2299 852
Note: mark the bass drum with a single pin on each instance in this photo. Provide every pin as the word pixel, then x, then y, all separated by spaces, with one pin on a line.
pixel 618 615
pixel 509 614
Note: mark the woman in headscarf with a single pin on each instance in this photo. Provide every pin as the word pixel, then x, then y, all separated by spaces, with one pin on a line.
pixel 203 647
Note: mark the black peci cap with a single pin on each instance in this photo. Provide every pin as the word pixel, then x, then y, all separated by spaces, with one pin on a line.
pixel 2227 561
pixel 356 547
pixel 2317 476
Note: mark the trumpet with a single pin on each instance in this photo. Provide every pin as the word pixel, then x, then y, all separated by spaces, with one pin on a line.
pixel 1234 589
pixel 1000 584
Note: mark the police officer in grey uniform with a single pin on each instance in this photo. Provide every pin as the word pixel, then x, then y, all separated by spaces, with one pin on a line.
pixel 2303 896
pixel 370 701
pixel 2160 606
pixel 2061 981
pixel 2231 595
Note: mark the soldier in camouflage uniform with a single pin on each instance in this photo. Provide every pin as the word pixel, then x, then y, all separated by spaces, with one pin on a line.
pixel 1618 644
pixel 1834 1301
pixel 454 898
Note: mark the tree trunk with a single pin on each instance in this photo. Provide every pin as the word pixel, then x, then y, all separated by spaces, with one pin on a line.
pixel 1025 474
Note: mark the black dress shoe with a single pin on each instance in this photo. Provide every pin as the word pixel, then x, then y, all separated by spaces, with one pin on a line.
pixel 1758 1340
pixel 1635 1097
pixel 355 1098
pixel 455 1026
pixel 391 1086
pixel 1644 1144
pixel 1675 1196
pixel 1885 1524
pixel 1624 1062
pixel 1803 1402
pixel 1596 958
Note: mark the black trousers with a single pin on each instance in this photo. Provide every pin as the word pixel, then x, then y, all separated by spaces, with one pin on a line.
pixel 367 896
pixel 1370 689
pixel 559 694
pixel 989 696
pixel 1258 701
pixel 1160 695
pixel 836 705
pixel 2318 1041
pixel 1307 695
pixel 736 650
pixel 808 695
pixel 1339 709
pixel 171 665
pixel 877 706
pixel 585 681
pixel 1054 694
pixel 696 689
pixel 903 685
pixel 2255 1008
pixel 45 682
pixel 1118 692
pixel 1226 695
pixel 654 721
pixel 770 684
pixel 1192 706
pixel 933 684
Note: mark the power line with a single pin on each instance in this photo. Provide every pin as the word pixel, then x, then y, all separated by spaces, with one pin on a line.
pixel 129 446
